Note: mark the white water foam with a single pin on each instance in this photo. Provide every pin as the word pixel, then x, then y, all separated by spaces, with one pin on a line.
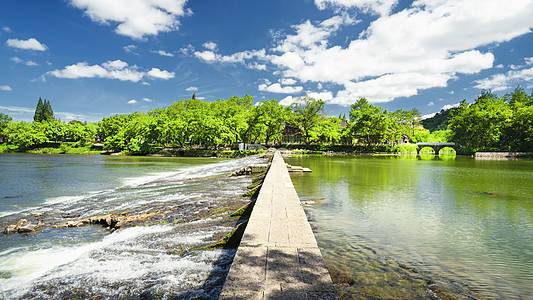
pixel 134 259
pixel 28 265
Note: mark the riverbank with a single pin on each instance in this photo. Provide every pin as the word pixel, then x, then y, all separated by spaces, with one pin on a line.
pixel 97 149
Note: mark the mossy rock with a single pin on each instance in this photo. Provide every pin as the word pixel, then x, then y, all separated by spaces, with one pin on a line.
pixel 254 185
pixel 244 211
pixel 252 193
pixel 230 241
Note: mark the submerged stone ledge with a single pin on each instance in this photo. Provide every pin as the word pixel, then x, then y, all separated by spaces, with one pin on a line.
pixel 278 257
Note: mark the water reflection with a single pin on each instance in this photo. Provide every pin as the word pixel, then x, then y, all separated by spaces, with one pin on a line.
pixel 428 227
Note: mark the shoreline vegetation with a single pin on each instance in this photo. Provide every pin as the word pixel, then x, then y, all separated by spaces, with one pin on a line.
pixel 191 127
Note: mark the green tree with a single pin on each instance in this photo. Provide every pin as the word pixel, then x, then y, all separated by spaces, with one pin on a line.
pixel 77 131
pixel 306 115
pixel 43 111
pixel 479 126
pixel 274 119
pixel 4 123
pixel 26 135
pixel 327 130
pixel 369 123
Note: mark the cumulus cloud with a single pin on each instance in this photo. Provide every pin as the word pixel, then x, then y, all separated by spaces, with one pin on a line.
pixel 132 101
pixel 6 88
pixel 505 81
pixel 398 55
pixel 116 69
pixel 423 46
pixel 148 100
pixel 191 89
pixel 288 101
pixel 277 88
pixel 210 46
pixel 381 7
pixel 29 44
pixel 450 106
pixel 136 18
pixel 287 81
pixel 211 56
pixel 164 53
pixel 324 96
pixel 431 103
pixel 160 74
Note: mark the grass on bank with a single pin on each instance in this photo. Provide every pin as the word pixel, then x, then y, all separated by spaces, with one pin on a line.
pixel 59 148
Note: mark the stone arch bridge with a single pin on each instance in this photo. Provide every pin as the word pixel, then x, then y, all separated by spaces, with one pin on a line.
pixel 436 147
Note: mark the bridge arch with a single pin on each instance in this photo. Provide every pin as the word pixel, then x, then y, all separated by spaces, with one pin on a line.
pixel 436 147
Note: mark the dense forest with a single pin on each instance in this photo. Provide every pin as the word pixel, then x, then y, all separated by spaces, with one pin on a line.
pixel 490 123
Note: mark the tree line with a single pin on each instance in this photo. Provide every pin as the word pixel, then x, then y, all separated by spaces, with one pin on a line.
pixel 490 123
pixel 494 123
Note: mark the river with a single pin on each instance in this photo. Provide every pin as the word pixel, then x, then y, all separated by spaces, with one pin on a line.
pixel 187 200
pixel 411 228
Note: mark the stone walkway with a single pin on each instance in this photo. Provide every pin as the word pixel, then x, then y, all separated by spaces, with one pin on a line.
pixel 278 257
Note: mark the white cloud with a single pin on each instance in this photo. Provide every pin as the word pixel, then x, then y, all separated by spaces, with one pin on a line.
pixel 145 83
pixel 288 101
pixel 6 88
pixel 7 29
pixel 287 81
pixel 132 101
pixel 30 44
pixel 529 60
pixel 148 100
pixel 423 117
pixel 164 53
pixel 445 107
pixel 277 88
pixel 210 46
pixel 421 47
pixel 160 74
pixel 115 65
pixel 324 96
pixel 208 56
pixel 501 82
pixel 116 69
pixel 188 50
pixel 136 18
pixel 131 49
pixel 28 63
pixel 310 36
pixel 382 7
pixel 68 116
pixel 449 106
pixel 191 89
pixel 431 103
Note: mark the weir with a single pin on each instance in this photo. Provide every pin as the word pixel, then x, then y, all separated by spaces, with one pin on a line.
pixel 278 257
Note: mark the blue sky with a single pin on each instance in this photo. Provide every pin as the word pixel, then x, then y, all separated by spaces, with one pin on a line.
pixel 96 58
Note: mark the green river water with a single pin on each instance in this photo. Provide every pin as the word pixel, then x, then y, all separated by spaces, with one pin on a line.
pixel 412 228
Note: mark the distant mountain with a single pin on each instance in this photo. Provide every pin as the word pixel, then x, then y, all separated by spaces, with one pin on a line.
pixel 439 121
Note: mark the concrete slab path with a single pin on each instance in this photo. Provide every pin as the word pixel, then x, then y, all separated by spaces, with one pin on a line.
pixel 278 257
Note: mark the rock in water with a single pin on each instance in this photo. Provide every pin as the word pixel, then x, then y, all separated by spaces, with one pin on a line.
pixel 27 227
pixel 10 229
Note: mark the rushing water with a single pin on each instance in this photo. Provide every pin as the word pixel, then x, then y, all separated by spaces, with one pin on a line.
pixel 408 228
pixel 184 198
